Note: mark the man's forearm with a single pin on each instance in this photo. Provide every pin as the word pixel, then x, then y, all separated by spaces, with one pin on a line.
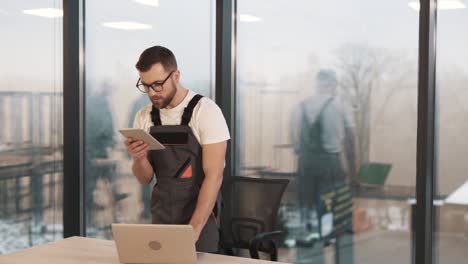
pixel 206 200
pixel 143 170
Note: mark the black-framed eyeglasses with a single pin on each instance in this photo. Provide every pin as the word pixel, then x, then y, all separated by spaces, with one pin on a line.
pixel 157 86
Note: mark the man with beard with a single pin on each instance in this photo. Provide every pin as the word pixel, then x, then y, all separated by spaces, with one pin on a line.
pixel 189 171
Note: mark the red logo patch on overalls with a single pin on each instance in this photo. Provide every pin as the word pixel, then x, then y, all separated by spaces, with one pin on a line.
pixel 187 173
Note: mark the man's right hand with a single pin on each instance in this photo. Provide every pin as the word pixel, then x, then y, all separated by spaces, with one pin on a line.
pixel 136 148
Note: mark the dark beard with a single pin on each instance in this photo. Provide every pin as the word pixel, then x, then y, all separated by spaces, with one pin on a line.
pixel 165 102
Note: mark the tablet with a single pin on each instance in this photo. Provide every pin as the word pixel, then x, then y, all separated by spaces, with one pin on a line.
pixel 140 134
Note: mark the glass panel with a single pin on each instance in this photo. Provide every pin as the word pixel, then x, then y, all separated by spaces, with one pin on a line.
pixel 115 38
pixel 452 179
pixel 31 139
pixel 327 98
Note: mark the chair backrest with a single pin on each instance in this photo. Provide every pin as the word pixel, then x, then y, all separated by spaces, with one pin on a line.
pixel 373 173
pixel 250 207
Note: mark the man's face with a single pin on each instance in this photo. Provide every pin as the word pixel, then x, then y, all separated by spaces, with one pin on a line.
pixel 157 74
pixel 327 87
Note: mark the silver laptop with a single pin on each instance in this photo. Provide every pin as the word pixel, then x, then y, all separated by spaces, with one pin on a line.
pixel 138 243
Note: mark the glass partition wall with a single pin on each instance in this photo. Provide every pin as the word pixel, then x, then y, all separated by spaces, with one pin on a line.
pixel 31 137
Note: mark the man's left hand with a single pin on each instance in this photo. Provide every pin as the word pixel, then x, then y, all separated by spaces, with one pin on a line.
pixel 196 231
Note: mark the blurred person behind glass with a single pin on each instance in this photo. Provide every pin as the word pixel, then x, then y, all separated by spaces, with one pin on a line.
pixel 320 132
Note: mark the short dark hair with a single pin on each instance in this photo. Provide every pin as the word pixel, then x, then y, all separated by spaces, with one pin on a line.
pixel 155 55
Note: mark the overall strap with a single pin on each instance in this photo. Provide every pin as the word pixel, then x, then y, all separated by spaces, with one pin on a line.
pixel 155 116
pixel 189 110
pixel 320 115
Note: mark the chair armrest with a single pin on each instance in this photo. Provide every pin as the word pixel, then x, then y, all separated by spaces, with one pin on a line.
pixel 268 237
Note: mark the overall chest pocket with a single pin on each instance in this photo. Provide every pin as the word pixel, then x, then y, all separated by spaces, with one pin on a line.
pixel 171 138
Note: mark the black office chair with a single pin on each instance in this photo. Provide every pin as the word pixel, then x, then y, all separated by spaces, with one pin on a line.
pixel 248 215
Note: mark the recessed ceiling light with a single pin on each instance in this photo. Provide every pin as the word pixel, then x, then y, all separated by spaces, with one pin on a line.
pixel 441 5
pixel 154 3
pixel 127 25
pixel 45 12
pixel 249 18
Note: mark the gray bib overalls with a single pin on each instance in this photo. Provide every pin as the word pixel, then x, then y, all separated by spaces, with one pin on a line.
pixel 179 173
pixel 318 170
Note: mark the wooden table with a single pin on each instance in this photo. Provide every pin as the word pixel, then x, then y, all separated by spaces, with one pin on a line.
pixel 81 250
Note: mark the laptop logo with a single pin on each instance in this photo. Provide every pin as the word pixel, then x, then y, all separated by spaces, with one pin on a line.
pixel 155 245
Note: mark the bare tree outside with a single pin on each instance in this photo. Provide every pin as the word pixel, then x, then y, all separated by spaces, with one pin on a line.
pixel 364 71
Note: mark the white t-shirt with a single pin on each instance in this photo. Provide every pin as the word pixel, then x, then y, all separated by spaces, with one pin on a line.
pixel 207 123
